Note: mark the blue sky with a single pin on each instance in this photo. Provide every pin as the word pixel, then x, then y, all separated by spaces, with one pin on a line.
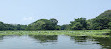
pixel 28 11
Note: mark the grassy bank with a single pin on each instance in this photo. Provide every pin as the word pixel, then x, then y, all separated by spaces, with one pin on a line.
pixel 92 33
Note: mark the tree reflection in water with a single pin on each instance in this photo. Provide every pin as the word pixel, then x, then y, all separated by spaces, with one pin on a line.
pixel 1 37
pixel 84 40
pixel 104 42
pixel 79 38
pixel 45 38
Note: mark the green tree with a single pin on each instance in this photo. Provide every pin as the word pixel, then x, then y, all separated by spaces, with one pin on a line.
pixel 57 27
pixel 103 20
pixel 109 25
pixel 65 27
pixel 2 26
pixel 54 21
pixel 79 24
pixel 43 24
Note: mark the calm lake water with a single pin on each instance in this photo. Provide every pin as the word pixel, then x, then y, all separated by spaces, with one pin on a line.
pixel 53 42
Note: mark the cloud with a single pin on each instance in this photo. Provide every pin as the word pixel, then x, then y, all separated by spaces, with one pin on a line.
pixel 28 18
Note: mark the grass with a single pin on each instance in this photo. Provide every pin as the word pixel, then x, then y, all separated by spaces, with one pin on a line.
pixel 92 33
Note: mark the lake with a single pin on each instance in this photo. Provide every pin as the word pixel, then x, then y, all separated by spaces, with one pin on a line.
pixel 54 42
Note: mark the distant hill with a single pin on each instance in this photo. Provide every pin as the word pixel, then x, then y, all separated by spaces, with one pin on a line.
pixel 105 14
pixel 101 21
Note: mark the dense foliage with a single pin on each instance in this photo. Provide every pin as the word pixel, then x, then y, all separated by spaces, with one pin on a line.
pixel 103 21
pixel 79 24
pixel 66 27
pixel 44 24
pixel 4 26
pixel 109 25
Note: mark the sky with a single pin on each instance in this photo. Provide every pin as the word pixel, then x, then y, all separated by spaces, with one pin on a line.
pixel 28 11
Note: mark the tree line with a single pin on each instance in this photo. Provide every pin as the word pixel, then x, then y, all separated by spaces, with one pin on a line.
pixel 4 26
pixel 103 21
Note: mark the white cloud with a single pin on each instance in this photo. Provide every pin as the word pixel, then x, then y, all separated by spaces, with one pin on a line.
pixel 28 18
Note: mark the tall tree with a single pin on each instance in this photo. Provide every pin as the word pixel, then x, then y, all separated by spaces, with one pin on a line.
pixel 44 24
pixel 102 20
pixel 79 24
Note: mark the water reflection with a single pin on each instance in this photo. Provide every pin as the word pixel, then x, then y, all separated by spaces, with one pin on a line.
pixel 104 42
pixel 83 40
pixel 1 37
pixel 62 42
pixel 45 38
pixel 79 38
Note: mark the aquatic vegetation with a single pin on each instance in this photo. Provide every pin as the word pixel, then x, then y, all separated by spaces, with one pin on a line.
pixel 92 33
